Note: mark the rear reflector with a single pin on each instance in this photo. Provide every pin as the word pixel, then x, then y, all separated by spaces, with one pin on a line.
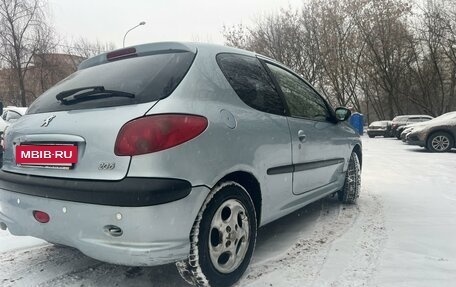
pixel 41 216
pixel 159 132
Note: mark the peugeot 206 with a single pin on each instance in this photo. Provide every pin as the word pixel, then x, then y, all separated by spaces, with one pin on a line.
pixel 174 152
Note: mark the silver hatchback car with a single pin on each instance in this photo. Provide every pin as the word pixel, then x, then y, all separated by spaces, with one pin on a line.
pixel 174 152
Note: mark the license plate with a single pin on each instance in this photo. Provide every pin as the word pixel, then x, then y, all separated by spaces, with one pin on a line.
pixel 47 156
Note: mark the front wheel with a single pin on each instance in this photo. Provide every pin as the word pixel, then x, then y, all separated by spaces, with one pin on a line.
pixel 440 142
pixel 222 238
pixel 352 186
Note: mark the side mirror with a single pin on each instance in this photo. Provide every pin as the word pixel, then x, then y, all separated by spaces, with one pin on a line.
pixel 1 108
pixel 342 114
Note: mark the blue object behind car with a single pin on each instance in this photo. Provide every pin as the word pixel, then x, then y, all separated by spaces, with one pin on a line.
pixel 357 122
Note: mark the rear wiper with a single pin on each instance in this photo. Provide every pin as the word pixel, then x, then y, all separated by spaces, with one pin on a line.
pixel 91 93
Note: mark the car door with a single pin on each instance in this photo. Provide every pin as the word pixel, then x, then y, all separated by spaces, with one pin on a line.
pixel 318 145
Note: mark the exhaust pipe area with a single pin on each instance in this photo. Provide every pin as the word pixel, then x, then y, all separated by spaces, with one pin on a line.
pixel 113 230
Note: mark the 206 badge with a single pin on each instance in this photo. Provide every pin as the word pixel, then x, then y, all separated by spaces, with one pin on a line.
pixel 107 166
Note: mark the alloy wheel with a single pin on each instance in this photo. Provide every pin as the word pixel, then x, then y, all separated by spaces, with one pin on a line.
pixel 440 143
pixel 229 236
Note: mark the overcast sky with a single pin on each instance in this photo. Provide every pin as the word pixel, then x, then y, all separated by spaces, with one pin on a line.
pixel 180 20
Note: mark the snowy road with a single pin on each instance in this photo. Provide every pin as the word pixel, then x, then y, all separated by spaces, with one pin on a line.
pixel 401 233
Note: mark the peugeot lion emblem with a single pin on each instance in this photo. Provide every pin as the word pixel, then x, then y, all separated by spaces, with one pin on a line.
pixel 48 121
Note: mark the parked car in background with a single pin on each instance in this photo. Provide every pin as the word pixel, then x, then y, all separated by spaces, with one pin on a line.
pixel 408 129
pixel 379 128
pixel 10 115
pixel 174 152
pixel 410 122
pixel 437 135
pixel 400 121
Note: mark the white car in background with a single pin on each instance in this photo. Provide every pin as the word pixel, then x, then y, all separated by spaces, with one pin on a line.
pixel 10 114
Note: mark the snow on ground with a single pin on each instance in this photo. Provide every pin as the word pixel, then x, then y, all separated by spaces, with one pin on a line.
pixel 401 233
pixel 9 243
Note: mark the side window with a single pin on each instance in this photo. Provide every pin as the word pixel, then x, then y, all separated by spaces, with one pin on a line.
pixel 302 100
pixel 251 82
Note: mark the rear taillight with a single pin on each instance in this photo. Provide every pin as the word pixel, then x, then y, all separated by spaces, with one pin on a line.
pixel 159 132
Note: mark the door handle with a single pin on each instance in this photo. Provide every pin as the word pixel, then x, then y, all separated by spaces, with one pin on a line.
pixel 301 136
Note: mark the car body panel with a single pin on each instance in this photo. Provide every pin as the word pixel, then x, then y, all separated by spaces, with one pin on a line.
pixel 318 159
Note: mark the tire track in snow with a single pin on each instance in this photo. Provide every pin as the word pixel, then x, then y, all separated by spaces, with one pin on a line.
pixel 358 249
pixel 34 266
pixel 52 266
pixel 352 235
pixel 302 262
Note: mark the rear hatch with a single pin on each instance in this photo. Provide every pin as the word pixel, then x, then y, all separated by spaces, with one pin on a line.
pixel 70 131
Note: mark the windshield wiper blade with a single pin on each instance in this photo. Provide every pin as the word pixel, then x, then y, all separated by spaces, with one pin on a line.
pixel 68 93
pixel 93 93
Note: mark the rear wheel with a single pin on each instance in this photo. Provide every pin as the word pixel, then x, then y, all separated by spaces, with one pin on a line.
pixel 440 142
pixel 352 186
pixel 371 136
pixel 222 238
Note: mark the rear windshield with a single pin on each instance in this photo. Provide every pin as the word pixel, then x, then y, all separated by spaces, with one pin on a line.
pixel 148 78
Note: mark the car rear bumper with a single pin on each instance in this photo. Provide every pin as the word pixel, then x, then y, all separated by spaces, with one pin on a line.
pixel 151 235
pixel 130 191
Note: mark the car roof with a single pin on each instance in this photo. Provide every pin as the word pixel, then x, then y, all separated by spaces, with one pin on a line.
pixel 411 116
pixel 158 47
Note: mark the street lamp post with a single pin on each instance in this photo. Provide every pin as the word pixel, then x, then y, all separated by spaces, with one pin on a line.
pixel 140 24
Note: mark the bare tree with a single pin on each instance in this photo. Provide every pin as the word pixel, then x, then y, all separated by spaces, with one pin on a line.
pixel 236 36
pixel 283 37
pixel 382 24
pixel 339 50
pixel 379 56
pixel 83 49
pixel 23 32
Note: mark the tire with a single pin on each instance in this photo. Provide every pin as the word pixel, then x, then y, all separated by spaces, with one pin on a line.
pixel 221 245
pixel 371 136
pixel 440 142
pixel 352 186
